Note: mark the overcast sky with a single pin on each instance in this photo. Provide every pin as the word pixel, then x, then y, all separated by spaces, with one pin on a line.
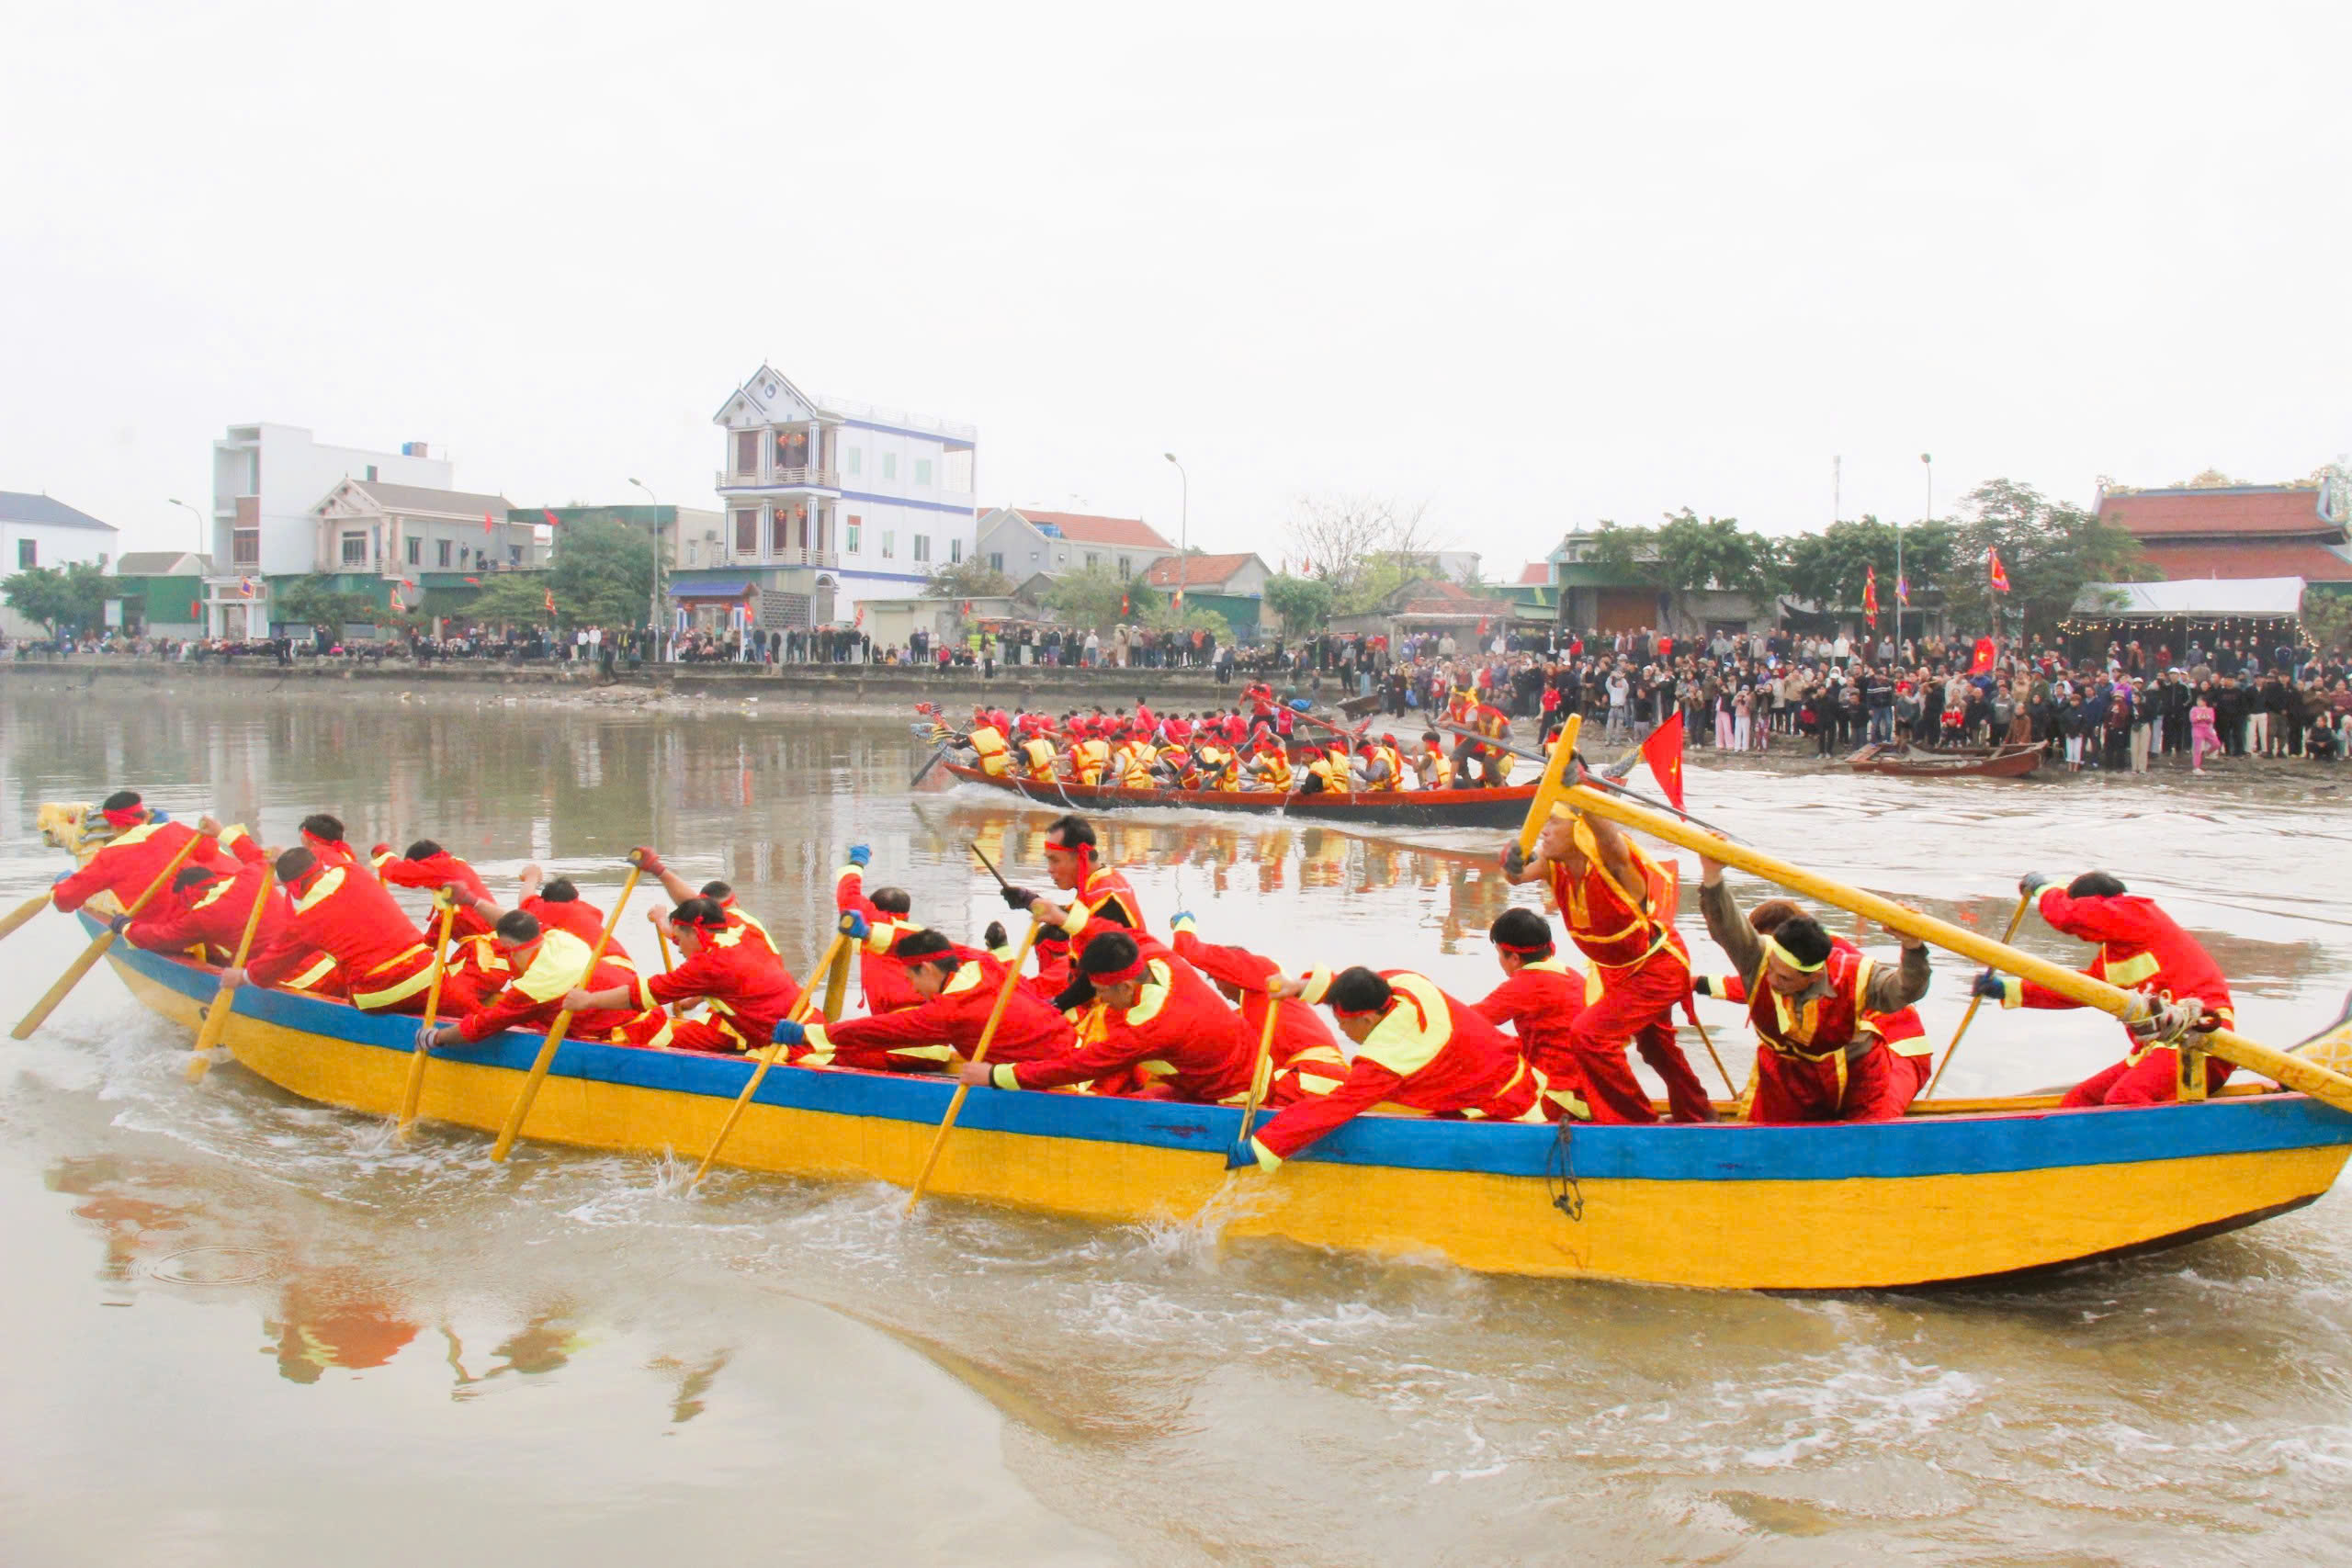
pixel 1536 266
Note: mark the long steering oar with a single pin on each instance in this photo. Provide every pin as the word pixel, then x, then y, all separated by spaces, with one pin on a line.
pixel 1567 735
pixel 225 1000
pixel 925 771
pixel 412 1094
pixel 1551 786
pixel 563 1024
pixel 2017 919
pixel 979 1055
pixel 2295 1072
pixel 798 1014
pixel 23 912
pixel 99 945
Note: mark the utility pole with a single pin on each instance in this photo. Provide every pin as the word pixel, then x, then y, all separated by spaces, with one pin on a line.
pixel 1184 531
pixel 653 602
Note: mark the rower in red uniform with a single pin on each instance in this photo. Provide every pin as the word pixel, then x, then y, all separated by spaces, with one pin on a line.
pixel 205 908
pixel 1608 891
pixel 1153 1017
pixel 1305 1059
pixel 719 892
pixel 880 977
pixel 1540 999
pixel 1416 1047
pixel 550 964
pixel 747 990
pixel 343 912
pixel 955 989
pixel 1102 899
pixel 144 842
pixel 1900 1029
pixel 2141 949
pixel 323 836
pixel 427 864
pixel 1819 1057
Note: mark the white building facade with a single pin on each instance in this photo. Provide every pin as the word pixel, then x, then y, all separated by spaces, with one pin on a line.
pixel 826 503
pixel 41 531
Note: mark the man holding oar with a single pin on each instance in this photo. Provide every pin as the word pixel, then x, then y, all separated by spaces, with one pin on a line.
pixel 747 987
pixel 1103 899
pixel 955 988
pixel 550 964
pixel 340 911
pixel 144 842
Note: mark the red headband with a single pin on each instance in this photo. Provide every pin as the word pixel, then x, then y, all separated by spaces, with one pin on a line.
pixel 1357 1012
pixel 1524 948
pixel 1120 976
pixel 129 817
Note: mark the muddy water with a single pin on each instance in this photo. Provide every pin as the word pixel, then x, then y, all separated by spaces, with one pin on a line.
pixel 245 1331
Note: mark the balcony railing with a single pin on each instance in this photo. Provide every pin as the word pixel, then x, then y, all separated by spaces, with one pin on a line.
pixel 781 479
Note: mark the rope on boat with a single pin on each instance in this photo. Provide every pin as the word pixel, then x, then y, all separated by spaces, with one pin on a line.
pixel 1560 1174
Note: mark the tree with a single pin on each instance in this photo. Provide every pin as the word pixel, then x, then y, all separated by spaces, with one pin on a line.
pixel 1685 555
pixel 313 601
pixel 601 573
pixel 513 599
pixel 1303 603
pixel 2327 621
pixel 1830 568
pixel 973 578
pixel 68 598
pixel 1099 597
pixel 2048 550
pixel 1365 546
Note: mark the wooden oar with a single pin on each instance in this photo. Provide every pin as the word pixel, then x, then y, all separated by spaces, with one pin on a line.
pixel 563 1024
pixel 2294 1072
pixel 1550 787
pixel 836 981
pixel 2017 919
pixel 1261 1075
pixel 23 912
pixel 925 771
pixel 412 1094
pixel 798 1014
pixel 99 945
pixel 225 1000
pixel 980 1054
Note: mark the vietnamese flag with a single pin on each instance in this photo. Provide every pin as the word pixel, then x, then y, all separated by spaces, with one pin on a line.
pixel 486 524
pixel 1663 752
pixel 1869 598
pixel 550 598
pixel 553 521
pixel 1983 663
pixel 2000 574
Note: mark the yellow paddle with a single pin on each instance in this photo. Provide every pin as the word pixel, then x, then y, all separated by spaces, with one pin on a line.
pixel 99 945
pixel 798 1014
pixel 225 1000
pixel 2295 1072
pixel 412 1094
pixel 837 983
pixel 1550 789
pixel 23 912
pixel 1261 1075
pixel 2016 919
pixel 980 1054
pixel 556 1031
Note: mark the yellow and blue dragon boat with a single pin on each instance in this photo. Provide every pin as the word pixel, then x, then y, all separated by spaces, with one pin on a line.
pixel 1984 1189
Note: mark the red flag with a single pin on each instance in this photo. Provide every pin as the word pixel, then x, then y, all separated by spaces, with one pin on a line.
pixel 1869 598
pixel 553 521
pixel 486 524
pixel 1663 752
pixel 474 581
pixel 550 598
pixel 1983 663
pixel 2000 575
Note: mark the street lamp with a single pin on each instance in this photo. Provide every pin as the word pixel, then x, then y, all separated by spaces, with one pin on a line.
pixel 201 530
pixel 1927 463
pixel 1184 530
pixel 653 603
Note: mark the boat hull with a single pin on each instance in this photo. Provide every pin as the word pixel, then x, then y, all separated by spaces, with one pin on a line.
pixel 1918 1201
pixel 2006 763
pixel 1417 808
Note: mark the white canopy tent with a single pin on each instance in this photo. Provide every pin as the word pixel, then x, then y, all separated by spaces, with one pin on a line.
pixel 2199 598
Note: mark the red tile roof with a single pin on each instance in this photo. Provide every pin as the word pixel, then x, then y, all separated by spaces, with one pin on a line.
pixel 2270 510
pixel 1133 533
pixel 1535 574
pixel 2252 557
pixel 1198 571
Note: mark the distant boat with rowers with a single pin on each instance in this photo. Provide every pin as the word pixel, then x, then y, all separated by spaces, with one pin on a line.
pixel 1503 807
pixel 2005 762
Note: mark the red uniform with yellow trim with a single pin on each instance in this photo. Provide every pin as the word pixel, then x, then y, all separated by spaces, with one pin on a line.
pixel 1645 973
pixel 748 987
pixel 212 914
pixel 438 871
pixel 881 978
pixel 531 999
pixel 1100 888
pixel 2141 949
pixel 1305 1058
pixel 926 1037
pixel 1179 1036
pixel 1806 1070
pixel 1900 1031
pixel 583 919
pixel 1541 1003
pixel 344 914
pixel 134 857
pixel 1429 1052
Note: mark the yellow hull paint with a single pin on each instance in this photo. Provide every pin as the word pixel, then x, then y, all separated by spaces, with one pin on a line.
pixel 1791 1234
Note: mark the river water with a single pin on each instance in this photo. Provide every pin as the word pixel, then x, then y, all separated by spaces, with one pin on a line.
pixel 248 1332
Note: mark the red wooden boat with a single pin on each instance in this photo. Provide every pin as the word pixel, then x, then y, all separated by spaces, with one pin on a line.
pixel 1413 807
pixel 1954 762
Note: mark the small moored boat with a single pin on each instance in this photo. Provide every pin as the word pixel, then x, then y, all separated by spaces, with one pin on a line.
pixel 1952 763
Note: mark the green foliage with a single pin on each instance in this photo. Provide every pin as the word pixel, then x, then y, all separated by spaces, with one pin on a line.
pixel 312 600
pixel 1098 598
pixel 2328 620
pixel 512 599
pixel 1831 567
pixel 1303 603
pixel 601 573
pixel 973 578
pixel 71 597
pixel 1161 615
pixel 2048 548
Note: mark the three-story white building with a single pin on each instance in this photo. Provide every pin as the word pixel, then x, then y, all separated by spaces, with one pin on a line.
pixel 826 503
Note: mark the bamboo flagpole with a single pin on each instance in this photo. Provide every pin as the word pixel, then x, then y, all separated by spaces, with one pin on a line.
pixel 799 1014
pixel 99 945
pixel 23 912
pixel 563 1024
pixel 2017 919
pixel 2294 1072
pixel 413 1093
pixel 979 1055
pixel 225 1000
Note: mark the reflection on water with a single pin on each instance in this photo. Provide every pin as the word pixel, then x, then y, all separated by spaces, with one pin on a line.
pixel 574 1361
